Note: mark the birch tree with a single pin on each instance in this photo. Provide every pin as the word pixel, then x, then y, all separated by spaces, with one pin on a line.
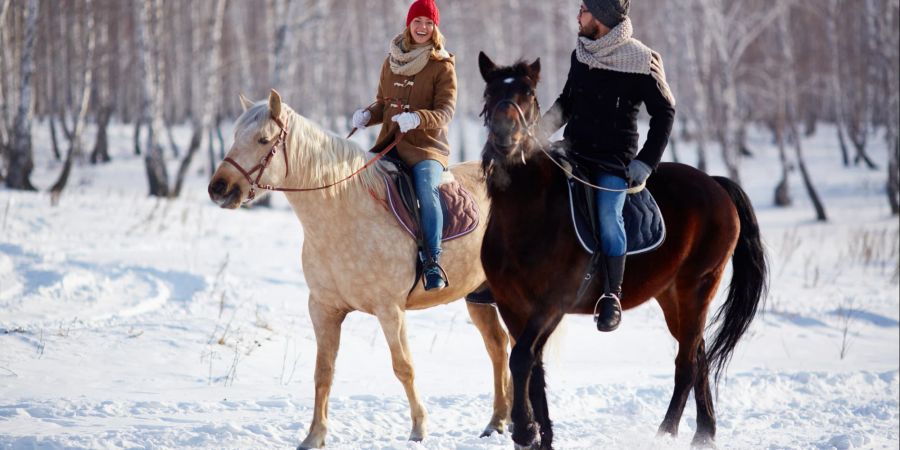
pixel 203 121
pixel 145 32
pixel 790 100
pixel 21 158
pixel 85 96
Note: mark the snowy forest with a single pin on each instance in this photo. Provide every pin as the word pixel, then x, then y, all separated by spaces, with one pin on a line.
pixel 137 313
pixel 786 65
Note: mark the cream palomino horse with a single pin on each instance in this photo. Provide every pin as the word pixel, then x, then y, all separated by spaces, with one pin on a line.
pixel 355 257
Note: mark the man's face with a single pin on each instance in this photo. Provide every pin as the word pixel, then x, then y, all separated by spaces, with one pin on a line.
pixel 588 26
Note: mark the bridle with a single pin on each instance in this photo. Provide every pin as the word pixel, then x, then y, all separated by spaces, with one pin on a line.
pixel 521 120
pixel 530 126
pixel 282 141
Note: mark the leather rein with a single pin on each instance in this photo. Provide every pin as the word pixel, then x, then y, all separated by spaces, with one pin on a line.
pixel 282 141
pixel 529 127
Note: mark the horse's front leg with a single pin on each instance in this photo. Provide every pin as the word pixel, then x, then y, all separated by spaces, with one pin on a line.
pixel 327 325
pixel 521 364
pixel 393 323
pixel 496 340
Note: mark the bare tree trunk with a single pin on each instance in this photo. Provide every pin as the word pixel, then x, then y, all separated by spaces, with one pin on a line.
pixel 212 78
pixel 21 158
pixel 137 136
pixel 889 37
pixel 790 101
pixel 54 141
pixel 101 146
pixel 154 162
pixel 5 98
pixel 782 190
pixel 78 126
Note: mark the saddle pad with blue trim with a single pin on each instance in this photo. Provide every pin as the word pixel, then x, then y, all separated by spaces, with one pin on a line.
pixel 644 226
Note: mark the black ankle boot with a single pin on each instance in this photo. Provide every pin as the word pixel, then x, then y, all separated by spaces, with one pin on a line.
pixel 608 310
pixel 435 279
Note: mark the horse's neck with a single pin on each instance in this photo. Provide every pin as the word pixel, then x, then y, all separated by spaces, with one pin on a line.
pixel 333 207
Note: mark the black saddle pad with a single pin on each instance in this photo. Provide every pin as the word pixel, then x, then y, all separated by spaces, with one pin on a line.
pixel 644 226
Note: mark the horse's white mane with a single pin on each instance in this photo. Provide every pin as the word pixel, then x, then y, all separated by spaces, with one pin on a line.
pixel 317 157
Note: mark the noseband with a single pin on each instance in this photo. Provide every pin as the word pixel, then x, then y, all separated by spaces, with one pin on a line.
pixel 521 119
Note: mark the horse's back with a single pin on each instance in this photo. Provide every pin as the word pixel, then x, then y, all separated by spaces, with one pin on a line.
pixel 699 214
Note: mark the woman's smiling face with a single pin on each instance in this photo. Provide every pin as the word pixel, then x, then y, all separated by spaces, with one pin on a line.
pixel 421 28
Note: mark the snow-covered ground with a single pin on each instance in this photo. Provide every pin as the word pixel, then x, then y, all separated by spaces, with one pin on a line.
pixel 132 322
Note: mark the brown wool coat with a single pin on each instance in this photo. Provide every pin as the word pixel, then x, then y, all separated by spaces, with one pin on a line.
pixel 431 94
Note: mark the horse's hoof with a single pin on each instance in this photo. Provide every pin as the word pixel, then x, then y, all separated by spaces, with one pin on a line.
pixel 703 441
pixel 416 436
pixel 490 430
pixel 527 437
pixel 310 443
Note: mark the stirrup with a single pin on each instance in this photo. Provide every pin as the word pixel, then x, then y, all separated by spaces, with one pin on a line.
pixel 440 272
pixel 612 321
pixel 599 299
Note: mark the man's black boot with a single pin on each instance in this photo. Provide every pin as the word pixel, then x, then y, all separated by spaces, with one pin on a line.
pixel 608 309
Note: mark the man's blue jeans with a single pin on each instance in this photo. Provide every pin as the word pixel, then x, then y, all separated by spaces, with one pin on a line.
pixel 426 178
pixel 609 209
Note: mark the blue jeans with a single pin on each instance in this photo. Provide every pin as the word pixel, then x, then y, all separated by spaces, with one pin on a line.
pixel 609 209
pixel 426 178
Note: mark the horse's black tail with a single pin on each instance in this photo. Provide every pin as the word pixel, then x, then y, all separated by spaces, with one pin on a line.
pixel 748 282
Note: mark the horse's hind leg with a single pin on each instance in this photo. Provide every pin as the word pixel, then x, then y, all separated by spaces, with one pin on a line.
pixel 393 323
pixel 496 340
pixel 685 309
pixel 327 325
pixel 538 393
pixel 706 416
pixel 685 372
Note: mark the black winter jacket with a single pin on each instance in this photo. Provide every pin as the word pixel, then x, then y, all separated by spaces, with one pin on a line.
pixel 600 108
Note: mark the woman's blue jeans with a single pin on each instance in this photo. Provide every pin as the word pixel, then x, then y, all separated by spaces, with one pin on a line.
pixel 609 209
pixel 426 178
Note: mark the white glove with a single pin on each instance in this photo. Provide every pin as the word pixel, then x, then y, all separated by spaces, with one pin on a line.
pixel 361 117
pixel 407 121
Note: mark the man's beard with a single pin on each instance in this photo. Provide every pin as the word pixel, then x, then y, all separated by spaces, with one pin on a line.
pixel 589 31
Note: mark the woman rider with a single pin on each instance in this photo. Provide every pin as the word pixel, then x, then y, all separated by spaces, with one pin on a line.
pixel 417 94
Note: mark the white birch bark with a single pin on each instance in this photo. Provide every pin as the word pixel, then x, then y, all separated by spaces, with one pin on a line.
pixel 157 177
pixel 21 158
pixel 87 74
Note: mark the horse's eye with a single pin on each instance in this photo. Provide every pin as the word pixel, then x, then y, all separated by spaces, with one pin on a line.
pixel 263 141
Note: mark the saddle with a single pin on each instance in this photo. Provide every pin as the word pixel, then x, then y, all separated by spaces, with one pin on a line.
pixel 457 206
pixel 645 229
pixel 459 210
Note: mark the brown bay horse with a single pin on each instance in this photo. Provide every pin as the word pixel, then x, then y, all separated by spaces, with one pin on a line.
pixel 535 265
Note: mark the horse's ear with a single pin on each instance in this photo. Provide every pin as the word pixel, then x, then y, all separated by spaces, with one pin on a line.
pixel 245 102
pixel 486 66
pixel 275 103
pixel 534 70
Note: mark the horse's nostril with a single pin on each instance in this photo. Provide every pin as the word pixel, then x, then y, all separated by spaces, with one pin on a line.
pixel 217 188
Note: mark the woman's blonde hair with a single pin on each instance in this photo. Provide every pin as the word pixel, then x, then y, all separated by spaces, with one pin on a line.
pixel 437 39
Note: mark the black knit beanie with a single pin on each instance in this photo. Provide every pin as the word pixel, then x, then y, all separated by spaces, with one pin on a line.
pixel 608 12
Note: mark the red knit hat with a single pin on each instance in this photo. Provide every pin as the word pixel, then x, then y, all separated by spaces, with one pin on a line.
pixel 424 8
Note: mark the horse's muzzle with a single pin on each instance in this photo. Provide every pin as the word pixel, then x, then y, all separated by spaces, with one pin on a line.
pixel 224 197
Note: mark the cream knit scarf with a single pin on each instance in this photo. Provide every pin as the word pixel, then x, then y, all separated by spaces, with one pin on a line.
pixel 410 62
pixel 620 52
